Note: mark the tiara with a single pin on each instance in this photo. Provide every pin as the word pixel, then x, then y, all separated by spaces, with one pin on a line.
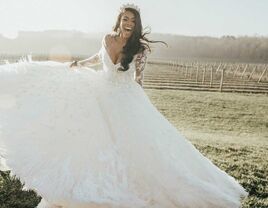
pixel 132 6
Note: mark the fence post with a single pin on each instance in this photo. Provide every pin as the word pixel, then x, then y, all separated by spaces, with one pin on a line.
pixel 204 72
pixel 186 70
pixel 236 69
pixel 222 76
pixel 218 68
pixel 211 76
pixel 244 71
pixel 191 70
pixel 252 72
pixel 262 73
pixel 197 70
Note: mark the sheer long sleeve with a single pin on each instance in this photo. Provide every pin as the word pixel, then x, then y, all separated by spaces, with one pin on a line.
pixel 140 66
pixel 91 61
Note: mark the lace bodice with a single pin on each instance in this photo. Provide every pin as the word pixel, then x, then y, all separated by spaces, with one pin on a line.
pixel 135 71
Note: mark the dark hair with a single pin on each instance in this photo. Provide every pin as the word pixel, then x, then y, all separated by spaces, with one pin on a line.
pixel 136 43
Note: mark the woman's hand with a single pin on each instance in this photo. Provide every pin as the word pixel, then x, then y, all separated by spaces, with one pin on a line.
pixel 74 64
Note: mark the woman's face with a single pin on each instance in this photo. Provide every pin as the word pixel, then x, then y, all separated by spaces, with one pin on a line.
pixel 127 24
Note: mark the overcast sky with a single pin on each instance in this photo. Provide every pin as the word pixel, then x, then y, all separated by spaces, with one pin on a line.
pixel 184 17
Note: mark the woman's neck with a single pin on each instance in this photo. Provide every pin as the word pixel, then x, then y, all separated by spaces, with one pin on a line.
pixel 122 39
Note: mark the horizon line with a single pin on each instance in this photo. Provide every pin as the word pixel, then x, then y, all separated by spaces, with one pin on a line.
pixel 15 34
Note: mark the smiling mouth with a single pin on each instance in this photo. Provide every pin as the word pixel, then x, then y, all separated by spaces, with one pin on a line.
pixel 128 29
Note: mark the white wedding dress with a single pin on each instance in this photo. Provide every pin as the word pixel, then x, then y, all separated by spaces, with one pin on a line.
pixel 92 138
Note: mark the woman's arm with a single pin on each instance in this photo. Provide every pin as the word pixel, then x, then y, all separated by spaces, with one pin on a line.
pixel 91 61
pixel 140 66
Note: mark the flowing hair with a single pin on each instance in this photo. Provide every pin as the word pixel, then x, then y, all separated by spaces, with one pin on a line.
pixel 137 42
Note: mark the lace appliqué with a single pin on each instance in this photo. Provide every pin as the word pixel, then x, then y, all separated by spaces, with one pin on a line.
pixel 140 66
pixel 91 61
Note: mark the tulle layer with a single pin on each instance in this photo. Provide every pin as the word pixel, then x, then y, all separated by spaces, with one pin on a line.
pixel 81 139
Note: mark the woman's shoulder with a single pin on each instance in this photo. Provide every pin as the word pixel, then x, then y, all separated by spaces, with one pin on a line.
pixel 108 37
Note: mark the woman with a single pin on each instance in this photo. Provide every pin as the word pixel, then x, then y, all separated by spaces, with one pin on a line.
pixel 85 138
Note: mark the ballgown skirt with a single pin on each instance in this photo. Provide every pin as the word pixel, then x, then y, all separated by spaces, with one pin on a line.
pixel 82 140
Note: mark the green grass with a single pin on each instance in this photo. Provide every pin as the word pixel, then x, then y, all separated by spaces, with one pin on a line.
pixel 233 115
pixel 12 194
pixel 230 129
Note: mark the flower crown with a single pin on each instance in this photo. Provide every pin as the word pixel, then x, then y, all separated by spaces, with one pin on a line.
pixel 132 6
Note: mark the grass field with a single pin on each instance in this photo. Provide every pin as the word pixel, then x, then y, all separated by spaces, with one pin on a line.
pixel 230 129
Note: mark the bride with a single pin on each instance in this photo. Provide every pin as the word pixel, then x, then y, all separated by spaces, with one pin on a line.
pixel 91 138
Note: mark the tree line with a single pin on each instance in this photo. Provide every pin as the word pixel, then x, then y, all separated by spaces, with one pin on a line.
pixel 243 48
